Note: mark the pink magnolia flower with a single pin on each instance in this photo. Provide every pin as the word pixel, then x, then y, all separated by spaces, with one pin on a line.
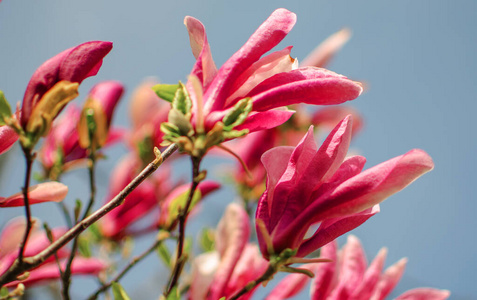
pixel 62 148
pixel 8 137
pixel 271 81
pixel 233 264
pixel 44 192
pixel 350 277
pixel 73 65
pixel 10 239
pixel 140 202
pixel 322 54
pixel 308 186
pixel 147 114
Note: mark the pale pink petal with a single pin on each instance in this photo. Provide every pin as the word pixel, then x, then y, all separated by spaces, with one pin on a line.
pixel 44 192
pixel 305 85
pixel 326 273
pixel 276 62
pixel 204 267
pixel 144 104
pixel 204 68
pixel 327 49
pixel 8 137
pixel 424 294
pixel 389 280
pixel 232 235
pixel 107 93
pixel 267 36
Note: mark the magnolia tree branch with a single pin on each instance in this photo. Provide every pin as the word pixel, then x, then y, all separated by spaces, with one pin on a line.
pixel 29 163
pixel 184 212
pixel 268 274
pixel 29 263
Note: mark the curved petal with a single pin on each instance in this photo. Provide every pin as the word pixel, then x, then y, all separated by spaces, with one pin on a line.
pixel 107 93
pixel 232 235
pixel 389 280
pixel 305 85
pixel 44 192
pixel 265 120
pixel 74 65
pixel 267 36
pixel 8 137
pixel 371 277
pixel 424 294
pixel 326 273
pixel 322 54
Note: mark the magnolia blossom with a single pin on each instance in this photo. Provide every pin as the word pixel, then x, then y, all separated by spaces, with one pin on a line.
pixel 10 239
pixel 348 276
pixel 233 264
pixel 270 81
pixel 62 145
pixel 44 192
pixel 146 114
pixel 72 65
pixel 308 186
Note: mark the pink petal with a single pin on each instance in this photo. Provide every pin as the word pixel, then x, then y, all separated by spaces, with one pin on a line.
pixel 204 68
pixel 291 285
pixel 371 277
pixel 43 192
pixel 144 104
pixel 326 273
pixel 327 49
pixel 74 64
pixel 352 269
pixel 330 229
pixel 8 137
pixel 389 280
pixel 267 36
pixel 264 68
pixel 304 85
pixel 265 120
pixel 107 93
pixel 232 235
pixel 424 294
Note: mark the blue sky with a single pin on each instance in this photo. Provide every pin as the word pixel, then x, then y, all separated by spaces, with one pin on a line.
pixel 417 57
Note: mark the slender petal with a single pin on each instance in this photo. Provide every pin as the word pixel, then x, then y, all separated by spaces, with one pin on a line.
pixel 424 294
pixel 327 49
pixel 43 192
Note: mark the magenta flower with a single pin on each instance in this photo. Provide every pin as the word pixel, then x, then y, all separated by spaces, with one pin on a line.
pixel 44 192
pixel 350 277
pixel 270 81
pixel 73 65
pixel 62 149
pixel 233 264
pixel 308 186
pixel 11 238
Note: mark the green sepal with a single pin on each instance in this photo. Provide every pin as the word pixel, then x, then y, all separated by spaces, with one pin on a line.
pixel 181 100
pixel 235 134
pixel 49 234
pixel 165 255
pixel 118 292
pixel 178 119
pixel 207 239
pixel 289 269
pixel 95 232
pixel 238 114
pixel 170 129
pixel 77 209
pixel 179 203
pixel 5 110
pixel 166 91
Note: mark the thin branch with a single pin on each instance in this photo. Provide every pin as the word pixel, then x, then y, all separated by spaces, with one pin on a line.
pixel 29 263
pixel 180 259
pixel 268 274
pixel 29 163
pixel 131 264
